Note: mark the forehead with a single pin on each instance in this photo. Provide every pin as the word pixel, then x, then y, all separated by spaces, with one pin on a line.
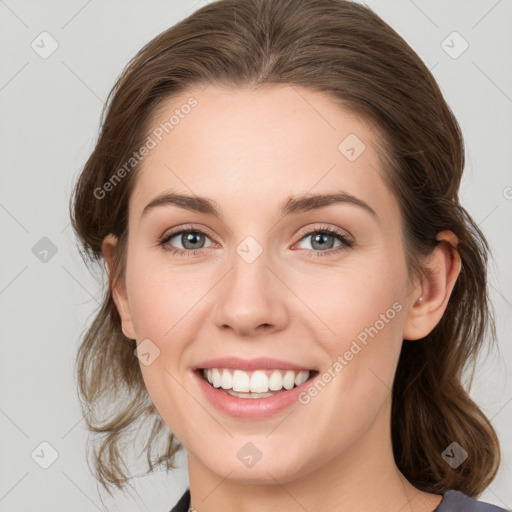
pixel 249 147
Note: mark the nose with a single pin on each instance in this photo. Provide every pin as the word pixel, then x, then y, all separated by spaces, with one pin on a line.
pixel 251 298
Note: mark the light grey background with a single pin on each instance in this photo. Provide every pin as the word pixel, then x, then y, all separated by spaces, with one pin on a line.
pixel 50 112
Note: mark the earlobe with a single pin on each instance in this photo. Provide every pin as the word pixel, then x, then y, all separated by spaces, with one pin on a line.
pixel 430 298
pixel 119 294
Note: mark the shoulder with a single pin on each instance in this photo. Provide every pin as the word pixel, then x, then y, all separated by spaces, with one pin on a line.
pixel 183 504
pixel 455 501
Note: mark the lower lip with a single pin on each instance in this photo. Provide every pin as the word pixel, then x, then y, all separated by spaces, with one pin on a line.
pixel 250 408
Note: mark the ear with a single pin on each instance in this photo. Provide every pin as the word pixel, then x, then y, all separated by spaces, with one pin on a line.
pixel 429 299
pixel 108 249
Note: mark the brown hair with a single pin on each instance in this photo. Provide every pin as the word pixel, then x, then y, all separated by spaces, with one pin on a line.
pixel 345 50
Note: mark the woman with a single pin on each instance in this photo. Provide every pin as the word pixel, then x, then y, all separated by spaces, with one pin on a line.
pixel 274 193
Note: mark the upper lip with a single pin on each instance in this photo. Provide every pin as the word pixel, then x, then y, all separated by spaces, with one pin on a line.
pixel 258 363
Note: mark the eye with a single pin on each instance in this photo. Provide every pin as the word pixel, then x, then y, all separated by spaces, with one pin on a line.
pixel 192 241
pixel 324 239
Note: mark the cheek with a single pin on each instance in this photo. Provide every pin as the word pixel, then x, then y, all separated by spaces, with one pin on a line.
pixel 348 301
pixel 161 296
pixel 360 316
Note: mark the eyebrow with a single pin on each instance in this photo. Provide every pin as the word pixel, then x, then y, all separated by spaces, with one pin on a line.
pixel 293 205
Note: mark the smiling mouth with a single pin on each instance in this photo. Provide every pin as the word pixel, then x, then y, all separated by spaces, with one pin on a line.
pixel 254 384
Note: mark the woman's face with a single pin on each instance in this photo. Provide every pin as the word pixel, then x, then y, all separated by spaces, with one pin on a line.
pixel 263 285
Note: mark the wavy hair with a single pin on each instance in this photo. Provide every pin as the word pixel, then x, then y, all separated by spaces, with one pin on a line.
pixel 342 49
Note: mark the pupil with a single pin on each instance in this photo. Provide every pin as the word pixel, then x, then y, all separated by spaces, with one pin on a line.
pixel 190 238
pixel 318 239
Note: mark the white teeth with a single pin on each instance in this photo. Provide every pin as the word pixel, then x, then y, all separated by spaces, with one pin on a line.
pixel 226 381
pixel 276 381
pixel 214 378
pixel 240 381
pixel 259 382
pixel 289 379
pixel 301 377
pixel 256 382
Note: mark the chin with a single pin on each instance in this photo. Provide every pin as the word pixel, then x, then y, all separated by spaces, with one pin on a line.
pixel 271 467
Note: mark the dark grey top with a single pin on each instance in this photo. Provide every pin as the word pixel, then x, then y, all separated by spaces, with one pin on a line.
pixel 453 501
pixel 456 501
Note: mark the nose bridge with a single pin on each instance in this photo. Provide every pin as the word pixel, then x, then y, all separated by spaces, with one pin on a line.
pixel 249 295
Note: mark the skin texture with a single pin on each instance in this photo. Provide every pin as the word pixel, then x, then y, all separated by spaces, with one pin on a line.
pixel 249 151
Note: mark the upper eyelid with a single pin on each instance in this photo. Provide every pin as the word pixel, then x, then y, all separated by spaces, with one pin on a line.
pixel 172 233
pixel 330 229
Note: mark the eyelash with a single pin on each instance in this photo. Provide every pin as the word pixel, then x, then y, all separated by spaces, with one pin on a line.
pixel 346 243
